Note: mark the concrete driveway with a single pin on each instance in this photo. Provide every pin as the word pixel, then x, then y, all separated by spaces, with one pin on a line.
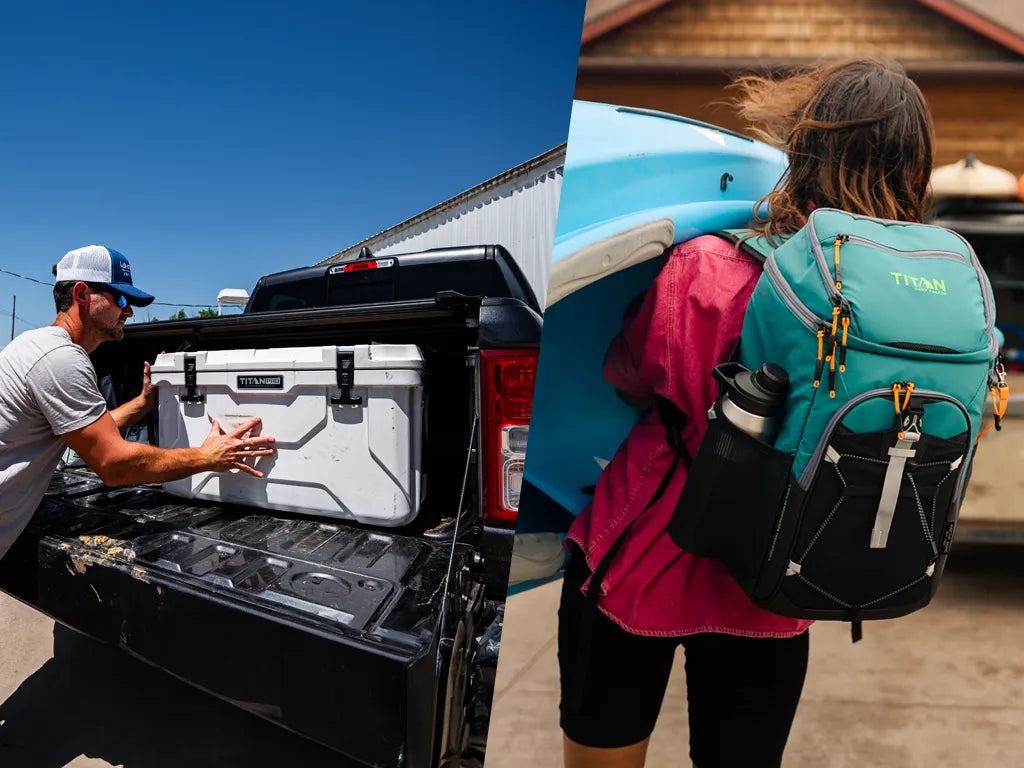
pixel 66 700
pixel 942 687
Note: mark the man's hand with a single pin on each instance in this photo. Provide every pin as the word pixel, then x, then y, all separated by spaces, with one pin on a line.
pixel 225 451
pixel 150 394
pixel 132 412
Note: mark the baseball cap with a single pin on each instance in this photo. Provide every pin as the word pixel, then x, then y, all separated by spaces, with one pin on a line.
pixel 99 264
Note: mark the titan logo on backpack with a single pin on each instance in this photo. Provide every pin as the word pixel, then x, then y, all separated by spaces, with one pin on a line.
pixel 921 283
pixel 850 512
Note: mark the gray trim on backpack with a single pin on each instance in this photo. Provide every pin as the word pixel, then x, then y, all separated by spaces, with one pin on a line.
pixel 807 475
pixel 789 297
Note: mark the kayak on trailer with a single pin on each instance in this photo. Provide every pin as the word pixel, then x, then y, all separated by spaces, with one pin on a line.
pixel 635 183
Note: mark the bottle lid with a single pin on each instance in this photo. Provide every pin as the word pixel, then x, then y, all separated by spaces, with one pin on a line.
pixel 762 393
pixel 772 379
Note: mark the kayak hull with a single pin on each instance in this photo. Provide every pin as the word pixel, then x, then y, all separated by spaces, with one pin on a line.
pixel 635 183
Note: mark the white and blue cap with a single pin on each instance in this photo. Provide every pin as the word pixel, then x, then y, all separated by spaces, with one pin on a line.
pixel 99 264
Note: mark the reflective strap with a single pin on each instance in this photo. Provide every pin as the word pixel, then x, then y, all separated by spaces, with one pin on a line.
pixel 956 464
pixel 902 453
pixel 832 455
pixel 792 569
pixel 891 488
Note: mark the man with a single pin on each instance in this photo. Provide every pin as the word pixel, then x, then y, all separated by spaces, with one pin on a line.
pixel 49 397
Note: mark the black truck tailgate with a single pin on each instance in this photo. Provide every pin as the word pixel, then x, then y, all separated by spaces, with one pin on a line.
pixel 332 631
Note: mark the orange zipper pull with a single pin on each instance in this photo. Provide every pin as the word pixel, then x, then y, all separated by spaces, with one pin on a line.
pixel 840 239
pixel 1000 393
pixel 842 349
pixel 832 371
pixel 1004 401
pixel 906 399
pixel 996 415
pixel 896 401
pixel 820 361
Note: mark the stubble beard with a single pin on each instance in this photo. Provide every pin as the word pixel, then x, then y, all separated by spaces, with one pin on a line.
pixel 115 333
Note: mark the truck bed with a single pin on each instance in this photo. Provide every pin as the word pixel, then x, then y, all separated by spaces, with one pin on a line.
pixel 330 630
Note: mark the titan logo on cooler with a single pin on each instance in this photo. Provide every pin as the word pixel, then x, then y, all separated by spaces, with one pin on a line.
pixel 272 381
pixel 933 285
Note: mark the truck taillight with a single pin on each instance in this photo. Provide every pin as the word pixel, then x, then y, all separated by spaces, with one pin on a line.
pixel 507 396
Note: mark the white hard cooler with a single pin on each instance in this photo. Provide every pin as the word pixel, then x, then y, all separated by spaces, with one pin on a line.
pixel 348 423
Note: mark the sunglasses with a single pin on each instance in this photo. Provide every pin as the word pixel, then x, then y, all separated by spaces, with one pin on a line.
pixel 119 298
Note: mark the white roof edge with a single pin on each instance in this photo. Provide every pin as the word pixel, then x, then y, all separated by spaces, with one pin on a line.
pixel 232 293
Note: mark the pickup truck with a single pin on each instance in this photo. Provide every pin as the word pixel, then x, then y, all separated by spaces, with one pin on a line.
pixel 380 644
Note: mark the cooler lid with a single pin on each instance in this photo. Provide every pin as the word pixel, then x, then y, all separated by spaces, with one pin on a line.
pixel 366 356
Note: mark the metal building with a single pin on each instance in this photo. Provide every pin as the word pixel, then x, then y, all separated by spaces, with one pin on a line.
pixel 516 209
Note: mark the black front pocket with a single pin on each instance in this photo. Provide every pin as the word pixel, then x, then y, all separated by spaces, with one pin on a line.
pixel 834 571
pixel 731 501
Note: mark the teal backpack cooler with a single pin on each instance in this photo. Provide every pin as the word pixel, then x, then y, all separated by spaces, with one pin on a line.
pixel 886 332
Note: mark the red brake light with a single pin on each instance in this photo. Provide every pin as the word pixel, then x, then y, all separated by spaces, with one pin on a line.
pixel 357 266
pixel 508 378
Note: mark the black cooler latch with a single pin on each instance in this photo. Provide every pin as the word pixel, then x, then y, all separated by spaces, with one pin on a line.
pixel 346 378
pixel 192 393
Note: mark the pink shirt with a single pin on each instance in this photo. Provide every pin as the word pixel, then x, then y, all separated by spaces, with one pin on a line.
pixel 689 321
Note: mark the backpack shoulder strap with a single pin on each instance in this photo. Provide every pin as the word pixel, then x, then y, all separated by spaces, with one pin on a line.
pixel 758 248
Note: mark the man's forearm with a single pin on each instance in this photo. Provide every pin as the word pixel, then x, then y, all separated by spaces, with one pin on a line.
pixel 141 463
pixel 130 413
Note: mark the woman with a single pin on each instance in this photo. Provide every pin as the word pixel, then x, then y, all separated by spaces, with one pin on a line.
pixel 858 136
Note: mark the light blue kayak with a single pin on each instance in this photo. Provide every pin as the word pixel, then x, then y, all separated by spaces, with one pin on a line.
pixel 635 183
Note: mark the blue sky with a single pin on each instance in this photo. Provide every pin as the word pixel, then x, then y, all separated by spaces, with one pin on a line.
pixel 215 142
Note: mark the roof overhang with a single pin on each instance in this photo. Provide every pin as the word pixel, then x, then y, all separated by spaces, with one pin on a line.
pixel 712 68
pixel 613 14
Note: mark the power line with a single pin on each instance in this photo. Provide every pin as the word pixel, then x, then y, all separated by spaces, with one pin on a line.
pixel 172 304
pixel 15 274
pixel 18 317
pixel 152 303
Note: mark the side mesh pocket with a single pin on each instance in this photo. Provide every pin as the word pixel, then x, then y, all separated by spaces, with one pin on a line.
pixel 731 500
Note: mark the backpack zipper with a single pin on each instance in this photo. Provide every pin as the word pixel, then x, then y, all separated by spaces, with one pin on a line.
pixel 910 254
pixel 913 347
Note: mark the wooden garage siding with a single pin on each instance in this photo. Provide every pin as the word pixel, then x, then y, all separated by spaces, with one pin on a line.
pixel 970 116
pixel 902 29
pixel 980 117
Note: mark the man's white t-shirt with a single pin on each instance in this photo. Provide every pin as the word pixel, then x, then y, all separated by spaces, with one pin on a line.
pixel 47 389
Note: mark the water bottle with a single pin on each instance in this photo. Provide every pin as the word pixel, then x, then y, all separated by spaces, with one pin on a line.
pixel 753 401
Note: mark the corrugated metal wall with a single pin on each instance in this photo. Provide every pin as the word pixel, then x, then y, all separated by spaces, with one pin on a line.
pixel 517 210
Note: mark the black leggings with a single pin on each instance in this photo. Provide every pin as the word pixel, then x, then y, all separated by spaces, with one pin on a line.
pixel 742 692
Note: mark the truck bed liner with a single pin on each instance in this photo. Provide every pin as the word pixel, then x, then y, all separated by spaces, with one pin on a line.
pixel 328 629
